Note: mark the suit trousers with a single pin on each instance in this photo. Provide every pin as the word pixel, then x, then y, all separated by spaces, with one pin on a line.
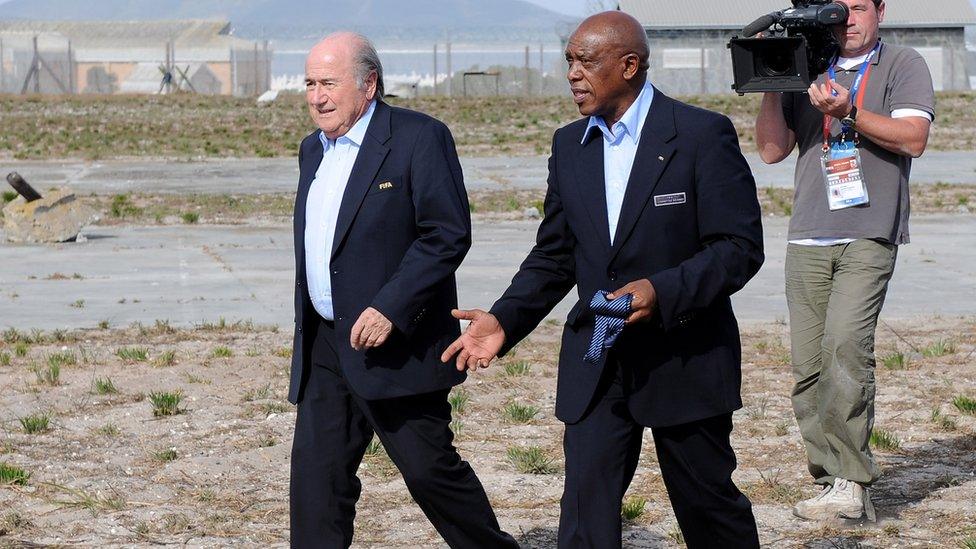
pixel 696 459
pixel 334 428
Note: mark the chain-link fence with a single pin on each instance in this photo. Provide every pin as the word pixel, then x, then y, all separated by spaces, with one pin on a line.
pixel 49 63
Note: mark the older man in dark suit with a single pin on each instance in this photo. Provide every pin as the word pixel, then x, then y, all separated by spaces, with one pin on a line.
pixel 651 212
pixel 381 225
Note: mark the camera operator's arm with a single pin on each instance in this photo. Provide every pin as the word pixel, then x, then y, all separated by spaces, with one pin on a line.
pixel 774 138
pixel 904 136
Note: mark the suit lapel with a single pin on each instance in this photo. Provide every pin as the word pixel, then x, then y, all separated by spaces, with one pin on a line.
pixel 653 154
pixel 590 182
pixel 372 152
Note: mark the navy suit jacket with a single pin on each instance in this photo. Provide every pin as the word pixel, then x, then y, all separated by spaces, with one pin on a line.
pixel 404 226
pixel 690 223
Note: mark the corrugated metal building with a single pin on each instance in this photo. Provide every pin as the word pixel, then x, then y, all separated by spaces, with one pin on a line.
pixel 126 56
pixel 688 38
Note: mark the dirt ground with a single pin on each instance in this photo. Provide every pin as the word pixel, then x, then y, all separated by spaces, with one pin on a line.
pixel 107 472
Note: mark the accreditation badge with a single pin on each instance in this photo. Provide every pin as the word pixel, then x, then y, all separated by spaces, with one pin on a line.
pixel 843 176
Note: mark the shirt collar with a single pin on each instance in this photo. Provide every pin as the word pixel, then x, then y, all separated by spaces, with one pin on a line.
pixel 357 133
pixel 631 123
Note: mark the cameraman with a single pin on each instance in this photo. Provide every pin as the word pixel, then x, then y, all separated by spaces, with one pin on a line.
pixel 858 128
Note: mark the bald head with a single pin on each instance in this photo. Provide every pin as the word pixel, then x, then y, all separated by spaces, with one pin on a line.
pixel 608 61
pixel 618 31
pixel 343 75
pixel 353 47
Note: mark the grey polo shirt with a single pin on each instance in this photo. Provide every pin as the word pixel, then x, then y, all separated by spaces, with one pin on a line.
pixel 899 79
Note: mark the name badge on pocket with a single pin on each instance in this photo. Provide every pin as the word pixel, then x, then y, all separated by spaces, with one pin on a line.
pixel 386 185
pixel 670 199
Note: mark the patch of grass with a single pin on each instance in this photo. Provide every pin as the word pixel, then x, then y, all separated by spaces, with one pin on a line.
pixel 895 361
pixel 92 502
pixel 122 207
pixel 965 404
pixel 9 196
pixel 48 376
pixel 283 352
pixel 943 421
pixel 769 488
pixel 190 218
pixel 884 440
pixel 104 386
pixel 263 393
pixel 374 447
pixel 531 460
pixel 459 399
pixel 78 304
pixel 941 347
pixel 4 359
pixel 11 474
pixel 518 368
pixel 165 456
pixel 103 325
pixel 165 359
pixel 520 413
pixel 783 428
pixel 269 408
pixel 456 426
pixel 760 410
pixel 35 423
pixel 133 354
pixel 166 403
pixel 21 348
pixel 62 359
pixel 633 508
pixel 267 441
pixel 221 352
pixel 108 430
pixel 676 535
pixel 969 543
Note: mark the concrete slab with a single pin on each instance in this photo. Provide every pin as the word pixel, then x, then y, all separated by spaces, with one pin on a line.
pixel 280 175
pixel 189 275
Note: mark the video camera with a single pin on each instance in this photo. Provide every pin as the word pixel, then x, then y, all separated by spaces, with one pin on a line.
pixel 798 47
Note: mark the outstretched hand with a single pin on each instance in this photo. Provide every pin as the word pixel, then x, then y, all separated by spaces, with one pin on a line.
pixel 479 344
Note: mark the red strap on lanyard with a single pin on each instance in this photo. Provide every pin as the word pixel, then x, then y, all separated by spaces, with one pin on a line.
pixel 858 101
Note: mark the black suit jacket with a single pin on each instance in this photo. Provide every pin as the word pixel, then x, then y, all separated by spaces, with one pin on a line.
pixel 403 228
pixel 697 246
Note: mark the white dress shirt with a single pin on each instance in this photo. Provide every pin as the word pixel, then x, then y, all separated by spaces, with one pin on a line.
pixel 322 209
pixel 619 150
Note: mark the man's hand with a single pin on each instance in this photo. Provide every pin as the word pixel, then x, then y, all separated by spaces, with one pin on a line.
pixel 644 300
pixel 371 330
pixel 480 342
pixel 823 99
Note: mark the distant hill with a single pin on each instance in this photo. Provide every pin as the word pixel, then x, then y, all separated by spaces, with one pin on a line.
pixel 395 20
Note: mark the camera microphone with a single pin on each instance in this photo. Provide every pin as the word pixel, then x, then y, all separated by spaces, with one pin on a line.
pixel 762 23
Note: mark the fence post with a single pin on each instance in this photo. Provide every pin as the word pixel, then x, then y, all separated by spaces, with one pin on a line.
pixel 528 74
pixel 233 72
pixel 435 70
pixel 449 75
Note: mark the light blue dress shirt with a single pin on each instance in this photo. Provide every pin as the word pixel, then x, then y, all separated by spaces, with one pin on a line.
pixel 322 209
pixel 619 150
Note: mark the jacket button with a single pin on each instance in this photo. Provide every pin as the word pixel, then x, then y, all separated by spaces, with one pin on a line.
pixel 339 318
pixel 335 271
pixel 299 329
pixel 298 283
pixel 613 276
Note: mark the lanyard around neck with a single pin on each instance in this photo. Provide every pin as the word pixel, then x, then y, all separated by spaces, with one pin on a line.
pixel 857 89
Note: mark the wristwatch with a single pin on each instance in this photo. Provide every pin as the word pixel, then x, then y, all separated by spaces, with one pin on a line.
pixel 850 120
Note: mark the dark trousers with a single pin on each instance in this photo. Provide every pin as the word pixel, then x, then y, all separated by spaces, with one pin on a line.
pixel 696 461
pixel 333 429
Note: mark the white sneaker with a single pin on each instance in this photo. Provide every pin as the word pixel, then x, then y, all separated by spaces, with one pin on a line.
pixel 813 508
pixel 845 499
pixel 851 500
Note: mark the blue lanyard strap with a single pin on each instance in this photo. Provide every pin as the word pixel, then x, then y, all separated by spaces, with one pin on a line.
pixel 860 74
